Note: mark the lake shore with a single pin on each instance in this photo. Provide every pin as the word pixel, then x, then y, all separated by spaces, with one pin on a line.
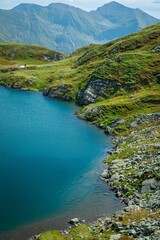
pixel 100 196
pixel 133 175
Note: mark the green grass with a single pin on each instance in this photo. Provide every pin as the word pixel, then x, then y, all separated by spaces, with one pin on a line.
pixel 51 235
pixel 133 66
pixel 81 232
pixel 124 106
pixel 18 53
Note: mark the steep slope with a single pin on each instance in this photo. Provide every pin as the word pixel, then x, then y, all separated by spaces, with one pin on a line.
pixel 124 20
pixel 122 15
pixel 66 28
pixel 58 26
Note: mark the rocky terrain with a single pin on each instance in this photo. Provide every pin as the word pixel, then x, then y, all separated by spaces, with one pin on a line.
pixel 94 89
pixel 132 172
pixel 62 92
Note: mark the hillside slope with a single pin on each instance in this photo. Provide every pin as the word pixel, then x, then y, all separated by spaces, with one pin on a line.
pixel 27 53
pixel 66 28
pixel 125 64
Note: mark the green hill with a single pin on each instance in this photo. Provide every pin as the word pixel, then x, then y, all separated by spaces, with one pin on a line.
pixel 91 74
pixel 66 28
pixel 27 53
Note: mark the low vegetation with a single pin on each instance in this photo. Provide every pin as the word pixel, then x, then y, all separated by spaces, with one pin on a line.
pixel 131 61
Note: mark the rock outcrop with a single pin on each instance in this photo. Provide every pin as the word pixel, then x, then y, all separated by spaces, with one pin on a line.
pixel 156 48
pixel 74 221
pixel 62 92
pixel 94 89
pixel 54 56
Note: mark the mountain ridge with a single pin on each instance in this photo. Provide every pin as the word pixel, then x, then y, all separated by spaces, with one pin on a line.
pixel 65 28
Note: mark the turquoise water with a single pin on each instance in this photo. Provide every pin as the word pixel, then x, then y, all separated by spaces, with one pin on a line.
pixel 50 163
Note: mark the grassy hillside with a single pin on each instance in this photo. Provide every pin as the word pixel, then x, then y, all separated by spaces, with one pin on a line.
pixel 130 60
pixel 13 53
pixel 133 62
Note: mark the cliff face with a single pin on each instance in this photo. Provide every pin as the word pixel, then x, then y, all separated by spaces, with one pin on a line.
pixel 94 89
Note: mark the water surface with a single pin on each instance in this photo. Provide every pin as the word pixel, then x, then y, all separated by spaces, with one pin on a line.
pixel 50 163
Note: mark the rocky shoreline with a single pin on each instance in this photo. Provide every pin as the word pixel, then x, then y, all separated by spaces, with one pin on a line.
pixel 136 176
pixel 132 172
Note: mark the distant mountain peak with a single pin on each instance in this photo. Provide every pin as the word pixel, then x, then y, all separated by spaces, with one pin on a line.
pixel 62 5
pixel 59 4
pixel 114 4
pixel 65 28
pixel 24 6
